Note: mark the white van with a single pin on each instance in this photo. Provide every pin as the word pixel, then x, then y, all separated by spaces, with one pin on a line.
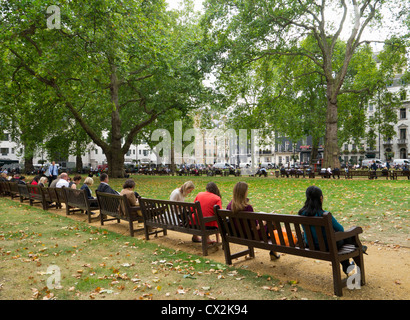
pixel 368 162
pixel 401 162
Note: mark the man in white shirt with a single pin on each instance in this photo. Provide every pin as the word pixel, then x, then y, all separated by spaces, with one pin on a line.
pixel 63 182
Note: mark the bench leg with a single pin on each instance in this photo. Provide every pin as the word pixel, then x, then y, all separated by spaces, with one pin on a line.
pixel 131 224
pixel 337 279
pixel 204 245
pixel 227 251
pixel 146 230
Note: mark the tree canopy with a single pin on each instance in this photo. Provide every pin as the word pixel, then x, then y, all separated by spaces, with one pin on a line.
pixel 115 65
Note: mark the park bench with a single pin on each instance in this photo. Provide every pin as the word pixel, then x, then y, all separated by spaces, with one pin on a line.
pixel 182 217
pixel 399 173
pixel 52 196
pixel 13 190
pixel 77 201
pixel 23 191
pixel 325 174
pixel 61 196
pixel 117 206
pixel 240 228
pixel 357 173
pixel 36 195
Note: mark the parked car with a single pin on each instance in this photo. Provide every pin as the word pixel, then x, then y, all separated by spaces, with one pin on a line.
pixel 368 162
pixel 401 162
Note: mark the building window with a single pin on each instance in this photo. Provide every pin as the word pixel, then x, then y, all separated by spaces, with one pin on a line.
pixel 403 113
pixel 4 151
pixel 403 153
pixel 403 133
pixel 370 107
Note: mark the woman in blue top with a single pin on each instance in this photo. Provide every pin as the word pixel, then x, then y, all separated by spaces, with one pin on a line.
pixel 313 207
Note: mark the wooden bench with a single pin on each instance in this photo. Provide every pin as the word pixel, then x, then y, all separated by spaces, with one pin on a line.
pixel 3 188
pixel 117 206
pixel 379 174
pixel 183 217
pixel 77 201
pixel 61 196
pixel 51 196
pixel 13 189
pixel 399 173
pixel 36 195
pixel 357 173
pixel 241 229
pixel 23 191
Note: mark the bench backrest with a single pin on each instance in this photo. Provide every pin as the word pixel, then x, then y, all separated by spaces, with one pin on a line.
pixel 76 198
pixel 113 205
pixel 23 190
pixel 35 191
pixel 61 195
pixel 14 187
pixel 241 228
pixel 172 213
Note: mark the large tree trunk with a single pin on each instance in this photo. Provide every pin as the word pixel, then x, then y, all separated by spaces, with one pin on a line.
pixel 314 152
pixel 331 150
pixel 115 156
pixel 115 159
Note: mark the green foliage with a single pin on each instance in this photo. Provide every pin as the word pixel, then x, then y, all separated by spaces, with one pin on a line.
pixel 115 65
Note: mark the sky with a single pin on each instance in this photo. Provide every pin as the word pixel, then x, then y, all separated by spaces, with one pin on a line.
pixel 174 4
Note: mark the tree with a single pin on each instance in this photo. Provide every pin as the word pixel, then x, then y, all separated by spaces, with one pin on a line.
pixel 243 32
pixel 116 65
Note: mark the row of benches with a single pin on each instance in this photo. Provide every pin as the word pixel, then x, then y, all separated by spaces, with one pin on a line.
pixel 241 228
pixel 392 174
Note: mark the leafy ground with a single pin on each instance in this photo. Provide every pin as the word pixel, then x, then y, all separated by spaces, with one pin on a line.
pixel 99 263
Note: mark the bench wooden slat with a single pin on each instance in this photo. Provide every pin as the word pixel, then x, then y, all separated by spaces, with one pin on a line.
pixel 289 234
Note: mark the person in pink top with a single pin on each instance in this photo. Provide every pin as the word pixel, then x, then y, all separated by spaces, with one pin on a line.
pixel 208 199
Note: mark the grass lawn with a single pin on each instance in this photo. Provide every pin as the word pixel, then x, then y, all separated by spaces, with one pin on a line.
pixel 381 207
pixel 99 264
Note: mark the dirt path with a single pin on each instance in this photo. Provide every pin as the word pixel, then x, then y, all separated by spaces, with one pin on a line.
pixel 386 266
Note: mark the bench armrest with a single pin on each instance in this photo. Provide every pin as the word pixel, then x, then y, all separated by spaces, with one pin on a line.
pixel 351 232
pixel 209 219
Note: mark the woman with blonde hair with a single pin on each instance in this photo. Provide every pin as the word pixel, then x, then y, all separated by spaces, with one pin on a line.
pixel 179 194
pixel 240 202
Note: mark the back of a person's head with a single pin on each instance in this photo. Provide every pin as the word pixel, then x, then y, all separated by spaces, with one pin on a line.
pixel 129 184
pixel 89 181
pixel 313 201
pixel 103 176
pixel 239 200
pixel 213 188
